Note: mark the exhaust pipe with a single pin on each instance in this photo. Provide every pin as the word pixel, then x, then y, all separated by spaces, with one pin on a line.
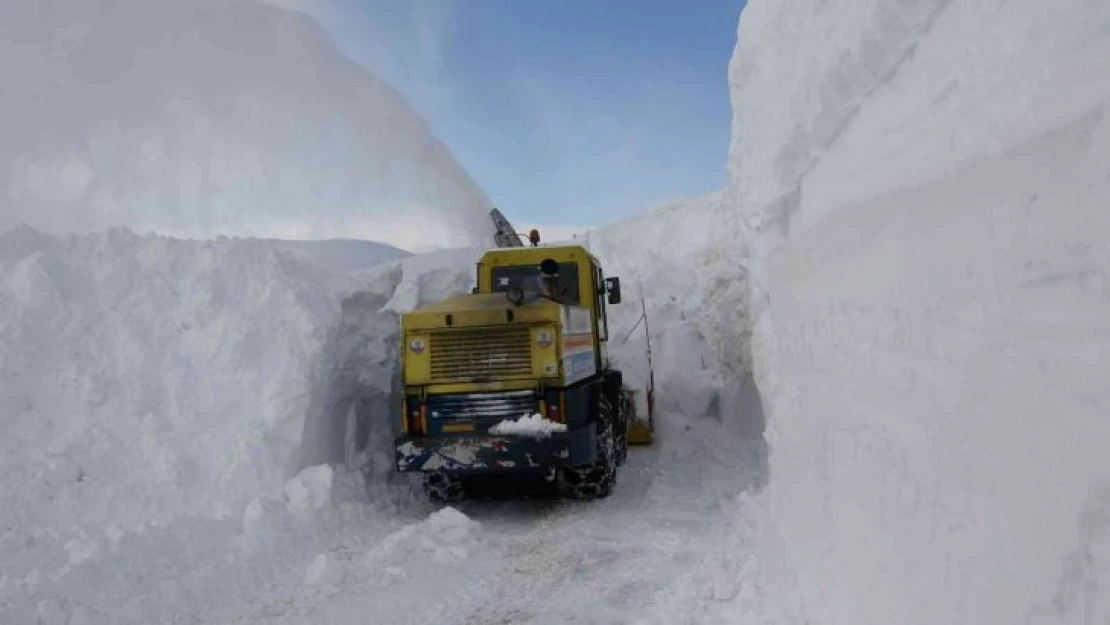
pixel 549 278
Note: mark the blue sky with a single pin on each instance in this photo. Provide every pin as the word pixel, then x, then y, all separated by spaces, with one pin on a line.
pixel 568 112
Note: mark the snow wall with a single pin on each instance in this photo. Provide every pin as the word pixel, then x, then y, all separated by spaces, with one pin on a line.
pixel 920 191
pixel 672 270
pixel 214 117
pixel 160 396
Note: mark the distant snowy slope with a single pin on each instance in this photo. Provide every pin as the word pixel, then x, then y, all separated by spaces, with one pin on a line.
pixel 924 191
pixel 214 117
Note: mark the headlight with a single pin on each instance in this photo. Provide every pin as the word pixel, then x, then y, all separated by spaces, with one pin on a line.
pixel 416 345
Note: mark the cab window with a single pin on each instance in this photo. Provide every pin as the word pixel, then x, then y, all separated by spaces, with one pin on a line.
pixel 527 277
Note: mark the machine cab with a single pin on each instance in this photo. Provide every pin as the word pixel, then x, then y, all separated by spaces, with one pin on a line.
pixel 579 278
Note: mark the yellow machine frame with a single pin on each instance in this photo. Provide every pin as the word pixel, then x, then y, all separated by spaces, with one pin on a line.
pixel 640 431
pixel 484 307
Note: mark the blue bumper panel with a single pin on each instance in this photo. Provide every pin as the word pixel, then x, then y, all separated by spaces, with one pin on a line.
pixel 488 453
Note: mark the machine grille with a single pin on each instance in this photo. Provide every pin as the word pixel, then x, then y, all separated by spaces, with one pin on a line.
pixel 468 355
pixel 511 405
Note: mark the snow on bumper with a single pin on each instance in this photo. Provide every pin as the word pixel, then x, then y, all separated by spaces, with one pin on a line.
pixel 495 453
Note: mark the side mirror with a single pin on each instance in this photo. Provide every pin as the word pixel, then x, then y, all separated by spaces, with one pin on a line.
pixel 613 286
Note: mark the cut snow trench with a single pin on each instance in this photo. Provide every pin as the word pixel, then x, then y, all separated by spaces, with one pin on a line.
pixel 915 477
pixel 659 536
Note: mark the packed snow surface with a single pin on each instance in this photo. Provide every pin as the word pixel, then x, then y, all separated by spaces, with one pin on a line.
pixel 534 426
pixel 669 546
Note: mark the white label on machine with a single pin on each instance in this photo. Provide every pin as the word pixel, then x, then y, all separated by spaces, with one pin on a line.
pixel 577 345
pixel 576 320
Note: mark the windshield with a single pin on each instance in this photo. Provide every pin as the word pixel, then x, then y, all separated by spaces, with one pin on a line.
pixel 527 277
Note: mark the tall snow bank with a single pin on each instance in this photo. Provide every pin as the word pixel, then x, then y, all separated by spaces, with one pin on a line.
pixel 170 373
pixel 155 394
pixel 672 273
pixel 355 380
pixel 924 188
pixel 214 117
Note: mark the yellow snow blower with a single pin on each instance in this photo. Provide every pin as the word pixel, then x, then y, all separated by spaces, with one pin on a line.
pixel 515 376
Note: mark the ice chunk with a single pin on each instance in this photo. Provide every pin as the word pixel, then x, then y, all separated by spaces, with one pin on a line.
pixel 310 490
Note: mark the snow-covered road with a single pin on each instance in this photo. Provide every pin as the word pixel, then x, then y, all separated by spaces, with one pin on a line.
pixel 665 548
